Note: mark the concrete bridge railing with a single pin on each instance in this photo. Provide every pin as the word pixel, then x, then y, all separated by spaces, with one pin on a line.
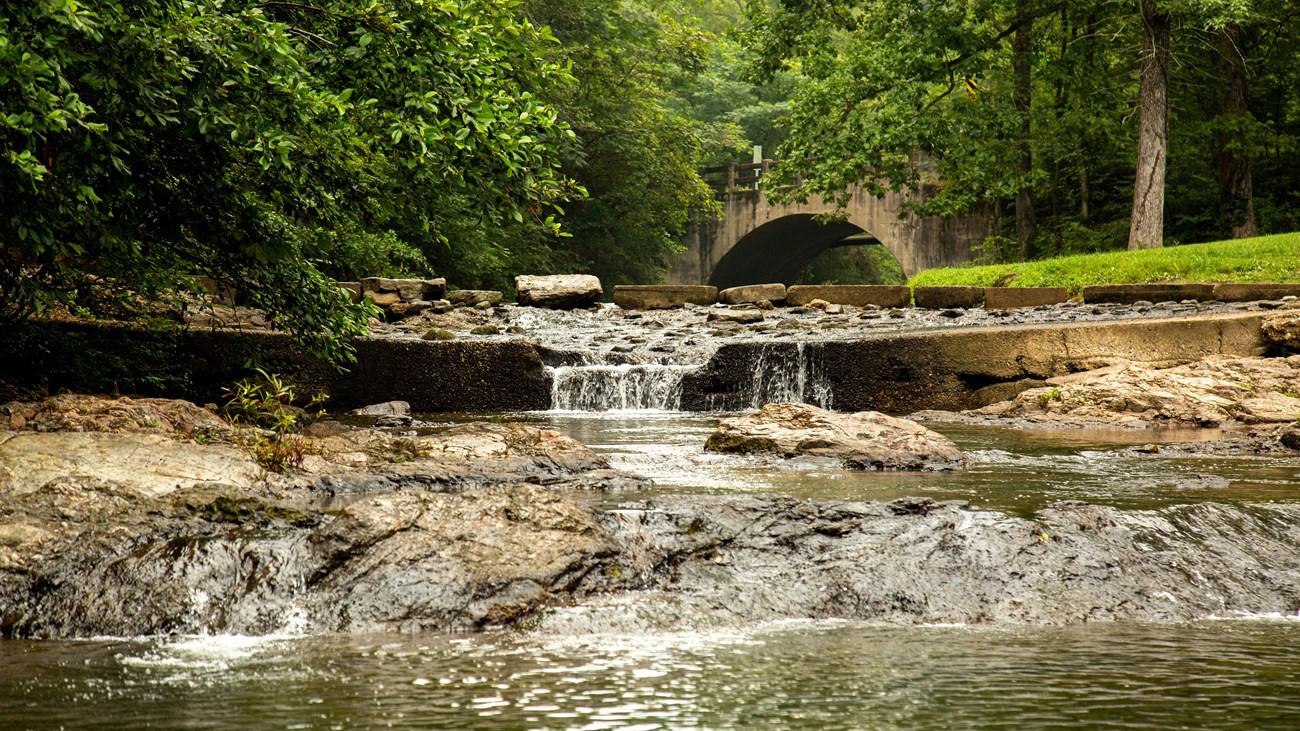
pixel 758 241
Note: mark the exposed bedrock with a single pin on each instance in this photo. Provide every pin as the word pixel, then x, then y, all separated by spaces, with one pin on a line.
pixel 1208 392
pixel 82 559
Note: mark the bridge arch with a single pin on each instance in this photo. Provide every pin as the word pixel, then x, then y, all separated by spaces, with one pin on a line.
pixel 757 241
pixel 777 250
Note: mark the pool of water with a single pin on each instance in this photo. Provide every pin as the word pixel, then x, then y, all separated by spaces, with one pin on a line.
pixel 1212 674
pixel 1013 470
pixel 1227 673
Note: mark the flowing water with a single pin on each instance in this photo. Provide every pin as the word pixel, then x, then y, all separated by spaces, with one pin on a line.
pixel 1227 673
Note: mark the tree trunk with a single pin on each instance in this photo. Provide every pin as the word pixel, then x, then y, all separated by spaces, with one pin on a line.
pixel 1236 194
pixel 1147 224
pixel 1022 68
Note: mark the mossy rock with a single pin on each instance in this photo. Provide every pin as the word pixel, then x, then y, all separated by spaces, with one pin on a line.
pixel 741 444
pixel 439 335
pixel 486 330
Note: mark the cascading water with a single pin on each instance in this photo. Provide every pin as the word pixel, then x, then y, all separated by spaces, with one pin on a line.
pixel 598 362
pixel 634 386
pixel 789 373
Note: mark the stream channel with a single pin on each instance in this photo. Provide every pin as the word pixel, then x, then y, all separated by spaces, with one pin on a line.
pixel 1223 672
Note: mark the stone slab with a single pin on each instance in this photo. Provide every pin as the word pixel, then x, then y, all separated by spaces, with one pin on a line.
pixel 558 291
pixel 751 293
pixel 857 295
pixel 663 296
pixel 942 298
pixel 1127 294
pixel 1254 291
pixel 1009 298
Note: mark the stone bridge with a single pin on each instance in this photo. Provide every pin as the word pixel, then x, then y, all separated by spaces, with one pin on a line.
pixel 757 241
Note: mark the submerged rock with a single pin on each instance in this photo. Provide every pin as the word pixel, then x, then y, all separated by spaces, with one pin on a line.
pixel 865 440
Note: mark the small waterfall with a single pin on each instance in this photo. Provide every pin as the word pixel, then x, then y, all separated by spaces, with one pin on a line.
pixel 786 372
pixel 636 386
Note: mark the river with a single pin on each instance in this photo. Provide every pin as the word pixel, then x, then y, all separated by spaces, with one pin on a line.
pixel 1223 673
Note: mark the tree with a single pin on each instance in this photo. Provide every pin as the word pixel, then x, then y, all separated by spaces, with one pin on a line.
pixel 144 142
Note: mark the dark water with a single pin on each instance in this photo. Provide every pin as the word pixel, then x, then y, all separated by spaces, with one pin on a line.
pixel 1214 674
pixel 1229 673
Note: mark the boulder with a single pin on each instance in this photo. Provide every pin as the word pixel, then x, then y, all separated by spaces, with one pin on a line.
pixel 471 297
pixel 1282 329
pixel 559 291
pixel 403 310
pixel 385 299
pixel 388 408
pixel 664 296
pixel 79 412
pixel 752 293
pixel 408 290
pixel 857 295
pixel 865 440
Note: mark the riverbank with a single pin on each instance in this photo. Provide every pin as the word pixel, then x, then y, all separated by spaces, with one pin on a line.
pixel 479 526
pixel 1263 259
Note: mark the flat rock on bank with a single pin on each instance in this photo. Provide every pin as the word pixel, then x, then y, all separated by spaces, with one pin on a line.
pixel 1207 393
pixel 865 440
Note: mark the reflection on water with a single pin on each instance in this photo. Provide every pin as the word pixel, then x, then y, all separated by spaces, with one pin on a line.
pixel 1221 675
pixel 1016 470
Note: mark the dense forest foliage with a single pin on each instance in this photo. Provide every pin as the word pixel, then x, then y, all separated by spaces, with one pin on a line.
pixel 279 145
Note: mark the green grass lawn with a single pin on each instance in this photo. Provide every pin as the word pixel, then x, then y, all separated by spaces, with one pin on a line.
pixel 1262 259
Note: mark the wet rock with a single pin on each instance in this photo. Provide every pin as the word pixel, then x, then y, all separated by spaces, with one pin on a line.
pixel 865 440
pixel 1209 392
pixel 1283 330
pixel 1290 437
pixel 143 464
pixel 388 408
pixel 735 316
pixel 78 412
pixel 402 310
pixel 560 291
pixel 437 334
pixel 406 290
pixel 472 297
pixel 221 317
pixel 485 330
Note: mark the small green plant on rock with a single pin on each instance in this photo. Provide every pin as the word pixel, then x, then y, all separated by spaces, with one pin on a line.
pixel 267 422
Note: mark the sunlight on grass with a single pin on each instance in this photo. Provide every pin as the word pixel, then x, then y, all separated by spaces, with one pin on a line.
pixel 1264 259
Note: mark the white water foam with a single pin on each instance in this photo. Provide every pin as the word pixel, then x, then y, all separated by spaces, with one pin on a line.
pixel 628 387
